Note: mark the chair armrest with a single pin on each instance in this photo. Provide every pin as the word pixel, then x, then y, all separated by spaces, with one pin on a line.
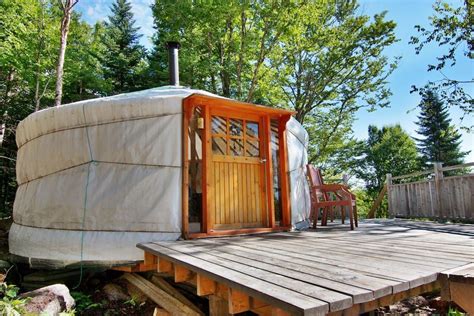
pixel 329 187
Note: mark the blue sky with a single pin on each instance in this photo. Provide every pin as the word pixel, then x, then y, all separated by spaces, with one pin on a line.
pixel 411 70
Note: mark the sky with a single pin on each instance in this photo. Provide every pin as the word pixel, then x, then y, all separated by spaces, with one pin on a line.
pixel 412 69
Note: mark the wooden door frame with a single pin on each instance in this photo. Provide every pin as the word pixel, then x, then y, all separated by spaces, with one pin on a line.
pixel 237 108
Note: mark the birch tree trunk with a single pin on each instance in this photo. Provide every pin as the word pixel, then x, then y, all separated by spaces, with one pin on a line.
pixel 39 53
pixel 66 6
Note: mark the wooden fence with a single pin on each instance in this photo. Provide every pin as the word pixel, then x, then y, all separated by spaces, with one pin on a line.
pixel 435 196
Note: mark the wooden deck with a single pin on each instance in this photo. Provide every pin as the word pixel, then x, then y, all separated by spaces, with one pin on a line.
pixel 331 270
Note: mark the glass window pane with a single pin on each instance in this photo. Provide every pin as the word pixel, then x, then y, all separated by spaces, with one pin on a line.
pixel 235 127
pixel 275 151
pixel 236 147
pixel 219 145
pixel 219 125
pixel 252 129
pixel 252 148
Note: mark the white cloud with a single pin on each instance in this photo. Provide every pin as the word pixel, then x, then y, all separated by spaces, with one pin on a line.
pixel 90 11
pixel 142 13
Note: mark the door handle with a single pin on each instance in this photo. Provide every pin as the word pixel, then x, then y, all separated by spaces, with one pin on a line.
pixel 263 160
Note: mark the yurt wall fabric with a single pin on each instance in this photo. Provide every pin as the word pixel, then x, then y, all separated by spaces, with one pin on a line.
pixel 297 142
pixel 97 177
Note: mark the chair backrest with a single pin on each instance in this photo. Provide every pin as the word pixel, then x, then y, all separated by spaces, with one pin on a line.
pixel 314 174
pixel 315 178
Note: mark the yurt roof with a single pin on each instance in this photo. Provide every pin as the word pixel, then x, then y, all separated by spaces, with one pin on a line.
pixel 127 106
pixel 133 105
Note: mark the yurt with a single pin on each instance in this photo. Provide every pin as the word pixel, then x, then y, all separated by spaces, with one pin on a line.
pixel 97 177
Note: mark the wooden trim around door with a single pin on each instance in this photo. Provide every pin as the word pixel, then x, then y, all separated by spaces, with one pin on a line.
pixel 241 110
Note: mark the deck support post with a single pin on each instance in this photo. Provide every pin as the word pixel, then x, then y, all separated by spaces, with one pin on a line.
pixel 218 306
pixel 461 294
pixel 164 266
pixel 239 302
pixel 457 285
pixel 181 274
pixel 205 286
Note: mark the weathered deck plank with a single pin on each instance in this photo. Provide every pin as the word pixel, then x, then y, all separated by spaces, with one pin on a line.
pixel 292 301
pixel 336 300
pixel 331 269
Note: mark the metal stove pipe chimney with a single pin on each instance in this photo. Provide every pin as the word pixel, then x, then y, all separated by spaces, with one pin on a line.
pixel 173 48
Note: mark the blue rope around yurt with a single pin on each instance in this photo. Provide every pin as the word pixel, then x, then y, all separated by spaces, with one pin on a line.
pixel 84 207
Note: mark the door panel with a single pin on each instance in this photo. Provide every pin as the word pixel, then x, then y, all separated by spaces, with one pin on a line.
pixel 237 174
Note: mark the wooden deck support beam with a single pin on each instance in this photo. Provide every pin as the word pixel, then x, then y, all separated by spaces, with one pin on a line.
pixel 159 296
pixel 164 266
pixel 205 286
pixel 239 302
pixel 181 274
pixel 387 300
pixel 457 285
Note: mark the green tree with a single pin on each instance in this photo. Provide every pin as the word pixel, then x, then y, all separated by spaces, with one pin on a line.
pixel 124 58
pixel 29 42
pixel 451 29
pixel 84 72
pixel 387 150
pixel 322 59
pixel 441 141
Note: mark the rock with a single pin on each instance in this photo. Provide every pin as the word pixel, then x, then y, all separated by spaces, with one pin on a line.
pixel 49 300
pixel 418 301
pixel 115 293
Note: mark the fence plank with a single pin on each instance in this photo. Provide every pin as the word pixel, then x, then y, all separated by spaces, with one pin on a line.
pixel 443 197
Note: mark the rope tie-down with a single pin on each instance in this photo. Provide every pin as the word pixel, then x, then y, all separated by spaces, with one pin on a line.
pixel 86 189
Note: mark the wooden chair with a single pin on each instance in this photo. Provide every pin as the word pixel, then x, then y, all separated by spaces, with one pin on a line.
pixel 329 196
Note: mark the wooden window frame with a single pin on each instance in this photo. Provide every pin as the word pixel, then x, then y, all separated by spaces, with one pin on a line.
pixel 246 112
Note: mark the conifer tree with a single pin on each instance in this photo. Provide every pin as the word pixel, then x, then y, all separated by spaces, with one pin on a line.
pixel 125 56
pixel 441 140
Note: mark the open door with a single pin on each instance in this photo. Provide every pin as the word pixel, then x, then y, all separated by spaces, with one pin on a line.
pixel 234 167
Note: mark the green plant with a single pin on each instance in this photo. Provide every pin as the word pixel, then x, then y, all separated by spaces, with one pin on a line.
pixel 10 304
pixel 84 302
pixel 133 301
pixel 454 312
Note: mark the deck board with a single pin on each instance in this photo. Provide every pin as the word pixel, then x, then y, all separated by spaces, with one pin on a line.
pixel 330 269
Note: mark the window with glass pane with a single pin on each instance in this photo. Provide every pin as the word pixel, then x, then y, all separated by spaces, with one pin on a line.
pixel 219 125
pixel 235 127
pixel 219 146
pixel 252 148
pixel 275 148
pixel 251 129
pixel 236 147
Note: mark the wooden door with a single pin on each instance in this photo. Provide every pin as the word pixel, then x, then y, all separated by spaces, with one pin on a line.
pixel 237 177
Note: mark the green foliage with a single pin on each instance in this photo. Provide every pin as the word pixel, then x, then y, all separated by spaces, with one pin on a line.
pixel 10 304
pixel 133 301
pixel 84 71
pixel 84 302
pixel 124 56
pixel 29 42
pixel 451 29
pixel 387 150
pixel 454 312
pixel 322 59
pixel 365 200
pixel 441 141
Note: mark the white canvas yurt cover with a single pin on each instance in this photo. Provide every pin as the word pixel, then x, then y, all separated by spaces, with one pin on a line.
pixel 97 177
